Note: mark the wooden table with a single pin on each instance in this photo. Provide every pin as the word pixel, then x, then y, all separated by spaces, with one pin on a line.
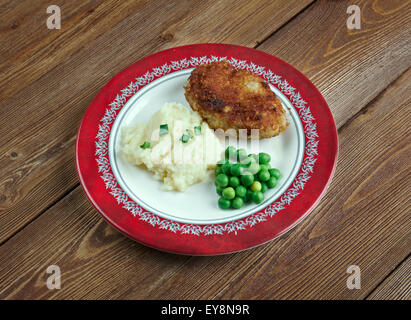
pixel 48 78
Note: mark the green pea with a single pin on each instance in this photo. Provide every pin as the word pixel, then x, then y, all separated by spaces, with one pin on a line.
pixel 231 153
pixel 254 156
pixel 275 173
pixel 218 170
pixel 235 170
pixel 245 162
pixel 219 190
pixel 249 196
pixel 272 182
pixel 226 168
pixel 264 158
pixel 264 187
pixel 258 197
pixel 255 186
pixel 265 166
pixel 224 203
pixel 221 180
pixel 240 191
pixel 263 175
pixel 229 193
pixel 221 162
pixel 247 179
pixel 241 154
pixel 237 203
pixel 234 182
pixel 254 168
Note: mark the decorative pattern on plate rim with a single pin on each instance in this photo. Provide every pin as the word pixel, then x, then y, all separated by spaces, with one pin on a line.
pixel 306 170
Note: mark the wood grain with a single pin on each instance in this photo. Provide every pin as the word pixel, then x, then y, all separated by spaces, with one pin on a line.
pixel 48 80
pixel 73 235
pixel 243 22
pixel 362 220
pixel 350 67
pixel 397 286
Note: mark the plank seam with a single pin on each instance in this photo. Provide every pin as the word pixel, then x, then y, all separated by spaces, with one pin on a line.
pixel 259 43
pixel 61 197
pixel 368 104
pixel 387 276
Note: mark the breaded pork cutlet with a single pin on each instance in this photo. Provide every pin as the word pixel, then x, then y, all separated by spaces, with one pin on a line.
pixel 235 99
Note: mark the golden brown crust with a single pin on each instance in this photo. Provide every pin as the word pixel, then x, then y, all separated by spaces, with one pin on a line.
pixel 228 98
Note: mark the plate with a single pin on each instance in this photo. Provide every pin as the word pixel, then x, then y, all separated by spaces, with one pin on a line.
pixel 190 222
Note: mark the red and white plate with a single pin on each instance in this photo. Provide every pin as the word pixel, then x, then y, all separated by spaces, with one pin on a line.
pixel 190 222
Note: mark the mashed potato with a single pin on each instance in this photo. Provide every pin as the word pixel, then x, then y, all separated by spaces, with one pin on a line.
pixel 178 164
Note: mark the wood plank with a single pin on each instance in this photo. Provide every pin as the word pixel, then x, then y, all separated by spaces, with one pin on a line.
pixel 253 23
pixel 81 23
pixel 395 287
pixel 350 67
pixel 23 25
pixel 362 220
pixel 79 233
pixel 48 81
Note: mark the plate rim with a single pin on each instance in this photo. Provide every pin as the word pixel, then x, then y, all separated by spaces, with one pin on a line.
pixel 207 250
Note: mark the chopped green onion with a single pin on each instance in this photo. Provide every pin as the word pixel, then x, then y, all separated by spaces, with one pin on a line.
pixel 185 138
pixel 187 135
pixel 145 145
pixel 190 133
pixel 197 130
pixel 163 129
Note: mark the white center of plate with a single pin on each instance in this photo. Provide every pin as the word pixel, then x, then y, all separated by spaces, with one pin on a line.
pixel 198 204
